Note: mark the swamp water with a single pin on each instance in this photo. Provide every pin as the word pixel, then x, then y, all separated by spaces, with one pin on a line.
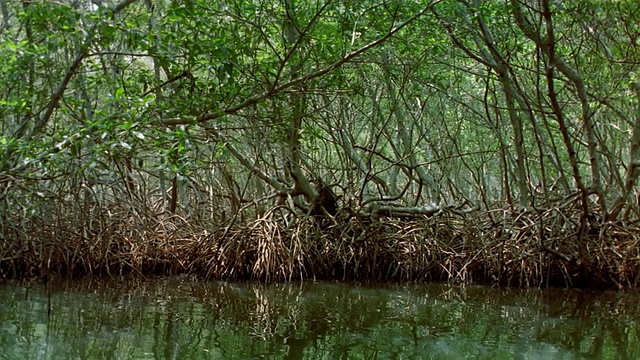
pixel 178 318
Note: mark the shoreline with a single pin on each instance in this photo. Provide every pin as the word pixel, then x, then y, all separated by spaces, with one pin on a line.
pixel 462 249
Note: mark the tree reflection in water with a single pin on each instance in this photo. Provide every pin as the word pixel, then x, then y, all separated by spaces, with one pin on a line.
pixel 179 318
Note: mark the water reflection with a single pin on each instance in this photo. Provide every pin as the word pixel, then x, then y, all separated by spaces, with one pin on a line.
pixel 179 318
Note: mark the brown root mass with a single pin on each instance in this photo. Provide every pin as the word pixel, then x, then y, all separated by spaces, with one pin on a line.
pixel 528 249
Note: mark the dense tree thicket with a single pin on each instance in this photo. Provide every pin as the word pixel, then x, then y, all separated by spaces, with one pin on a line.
pixel 471 140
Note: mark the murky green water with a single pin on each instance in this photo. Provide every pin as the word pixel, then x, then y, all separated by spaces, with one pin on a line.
pixel 177 318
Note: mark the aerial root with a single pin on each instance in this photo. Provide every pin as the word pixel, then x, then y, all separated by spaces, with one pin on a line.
pixel 523 249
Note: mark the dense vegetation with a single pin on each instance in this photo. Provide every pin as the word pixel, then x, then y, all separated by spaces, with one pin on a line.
pixel 460 140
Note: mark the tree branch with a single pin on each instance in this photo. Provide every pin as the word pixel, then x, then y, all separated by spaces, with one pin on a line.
pixel 278 89
pixel 57 96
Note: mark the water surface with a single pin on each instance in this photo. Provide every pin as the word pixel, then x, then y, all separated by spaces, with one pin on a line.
pixel 180 318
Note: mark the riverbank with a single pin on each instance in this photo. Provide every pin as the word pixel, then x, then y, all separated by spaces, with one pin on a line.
pixel 526 250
